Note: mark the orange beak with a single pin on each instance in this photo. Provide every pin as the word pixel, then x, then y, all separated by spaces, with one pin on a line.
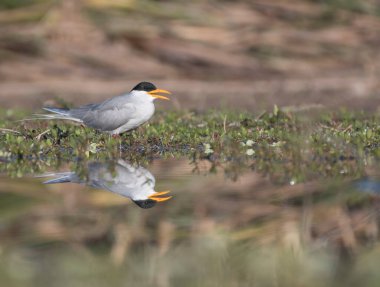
pixel 157 196
pixel 154 92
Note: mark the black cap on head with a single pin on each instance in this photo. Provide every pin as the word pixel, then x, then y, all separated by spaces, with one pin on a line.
pixel 144 86
pixel 147 203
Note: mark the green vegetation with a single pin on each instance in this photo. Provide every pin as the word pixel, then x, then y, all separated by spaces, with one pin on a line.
pixel 366 7
pixel 289 147
pixel 12 4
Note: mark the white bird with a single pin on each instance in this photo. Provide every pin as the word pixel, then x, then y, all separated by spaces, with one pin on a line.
pixel 116 115
pixel 136 183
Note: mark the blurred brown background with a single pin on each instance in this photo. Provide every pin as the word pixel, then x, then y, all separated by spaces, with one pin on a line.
pixel 236 54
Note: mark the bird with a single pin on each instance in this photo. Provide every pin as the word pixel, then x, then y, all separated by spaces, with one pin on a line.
pixel 120 177
pixel 116 115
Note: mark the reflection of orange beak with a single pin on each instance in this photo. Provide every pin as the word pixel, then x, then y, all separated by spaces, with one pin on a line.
pixel 157 195
pixel 156 91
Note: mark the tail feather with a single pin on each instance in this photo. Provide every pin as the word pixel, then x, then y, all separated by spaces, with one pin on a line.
pixel 56 114
pixel 61 177
pixel 54 117
pixel 59 111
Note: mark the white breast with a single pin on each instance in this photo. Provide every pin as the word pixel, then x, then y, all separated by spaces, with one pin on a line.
pixel 144 111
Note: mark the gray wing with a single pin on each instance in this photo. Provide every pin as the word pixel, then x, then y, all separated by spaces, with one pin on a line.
pixel 106 116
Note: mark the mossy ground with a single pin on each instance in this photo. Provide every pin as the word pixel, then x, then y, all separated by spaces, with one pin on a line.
pixel 285 145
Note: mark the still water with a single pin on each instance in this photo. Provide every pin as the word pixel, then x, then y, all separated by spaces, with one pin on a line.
pixel 177 222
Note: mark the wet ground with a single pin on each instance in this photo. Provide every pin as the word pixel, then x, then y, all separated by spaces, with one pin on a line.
pixel 218 226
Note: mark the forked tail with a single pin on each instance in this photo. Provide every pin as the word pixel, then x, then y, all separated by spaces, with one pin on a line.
pixel 56 114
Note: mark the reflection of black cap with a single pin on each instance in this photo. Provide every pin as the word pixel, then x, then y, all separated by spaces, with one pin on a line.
pixel 144 86
pixel 147 203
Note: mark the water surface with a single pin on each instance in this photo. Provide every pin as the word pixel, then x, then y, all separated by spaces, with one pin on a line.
pixel 221 224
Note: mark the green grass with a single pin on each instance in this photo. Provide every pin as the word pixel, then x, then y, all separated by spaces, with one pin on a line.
pixel 366 7
pixel 12 4
pixel 286 146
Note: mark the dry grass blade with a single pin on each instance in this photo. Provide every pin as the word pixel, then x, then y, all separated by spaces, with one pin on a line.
pixel 9 131
pixel 38 137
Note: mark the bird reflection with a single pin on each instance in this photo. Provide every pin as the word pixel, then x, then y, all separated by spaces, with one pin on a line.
pixel 136 183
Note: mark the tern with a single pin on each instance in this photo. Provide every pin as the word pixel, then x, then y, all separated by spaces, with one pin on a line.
pixel 136 183
pixel 115 115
